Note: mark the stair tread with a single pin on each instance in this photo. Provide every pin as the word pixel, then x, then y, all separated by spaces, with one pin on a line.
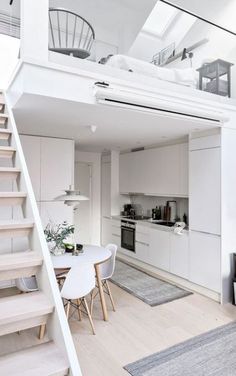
pixel 12 194
pixel 9 169
pixel 3 115
pixel 40 360
pixel 7 148
pixel 24 306
pixel 18 260
pixel 11 224
pixel 3 130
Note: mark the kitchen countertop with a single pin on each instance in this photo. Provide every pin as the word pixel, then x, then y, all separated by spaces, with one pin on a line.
pixel 147 223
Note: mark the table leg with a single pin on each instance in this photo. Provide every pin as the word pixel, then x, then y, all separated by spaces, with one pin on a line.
pixel 101 292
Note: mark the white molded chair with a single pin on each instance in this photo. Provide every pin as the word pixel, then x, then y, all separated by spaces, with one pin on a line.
pixel 80 281
pixel 106 271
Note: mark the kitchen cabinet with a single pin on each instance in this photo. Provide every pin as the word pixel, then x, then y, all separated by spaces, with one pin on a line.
pixel 57 167
pixel 160 249
pixel 160 171
pixel 142 251
pixel 32 151
pixel 205 190
pixel 179 254
pixel 106 188
pixel 184 169
pixel 204 260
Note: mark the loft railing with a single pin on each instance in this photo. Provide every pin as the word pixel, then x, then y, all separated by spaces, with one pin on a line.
pixel 69 33
pixel 9 25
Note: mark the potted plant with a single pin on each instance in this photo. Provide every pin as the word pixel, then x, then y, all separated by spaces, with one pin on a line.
pixel 56 235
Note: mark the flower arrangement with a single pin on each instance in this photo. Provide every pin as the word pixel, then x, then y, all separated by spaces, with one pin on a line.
pixel 56 234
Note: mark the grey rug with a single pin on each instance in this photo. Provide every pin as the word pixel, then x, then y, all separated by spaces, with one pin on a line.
pixel 210 354
pixel 150 290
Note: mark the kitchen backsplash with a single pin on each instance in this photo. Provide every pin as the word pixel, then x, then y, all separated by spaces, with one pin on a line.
pixel 144 204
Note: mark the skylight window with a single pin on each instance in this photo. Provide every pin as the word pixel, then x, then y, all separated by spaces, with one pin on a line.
pixel 160 19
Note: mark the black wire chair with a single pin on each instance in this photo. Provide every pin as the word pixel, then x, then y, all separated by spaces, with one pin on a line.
pixel 69 33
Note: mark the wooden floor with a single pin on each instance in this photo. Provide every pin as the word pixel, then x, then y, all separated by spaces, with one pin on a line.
pixel 135 330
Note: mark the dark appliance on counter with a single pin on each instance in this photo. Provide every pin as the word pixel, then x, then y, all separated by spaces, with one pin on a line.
pixel 156 213
pixel 128 209
pixel 128 235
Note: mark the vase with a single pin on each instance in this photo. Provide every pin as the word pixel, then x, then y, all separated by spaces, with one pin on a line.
pixel 55 249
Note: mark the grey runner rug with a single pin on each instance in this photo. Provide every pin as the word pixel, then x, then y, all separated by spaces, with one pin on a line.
pixel 210 354
pixel 150 290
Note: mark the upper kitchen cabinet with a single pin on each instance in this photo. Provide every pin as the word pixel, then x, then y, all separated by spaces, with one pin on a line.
pixel 57 166
pixel 161 171
pixel 205 192
pixel 31 147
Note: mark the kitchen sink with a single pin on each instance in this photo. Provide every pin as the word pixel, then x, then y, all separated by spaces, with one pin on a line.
pixel 165 223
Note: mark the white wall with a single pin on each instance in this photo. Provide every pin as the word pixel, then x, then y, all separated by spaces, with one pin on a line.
pixel 95 160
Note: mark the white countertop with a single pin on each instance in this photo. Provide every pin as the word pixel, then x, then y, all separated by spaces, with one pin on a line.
pixel 147 223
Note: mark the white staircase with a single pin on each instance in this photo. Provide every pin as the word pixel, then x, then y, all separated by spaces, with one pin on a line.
pixel 42 308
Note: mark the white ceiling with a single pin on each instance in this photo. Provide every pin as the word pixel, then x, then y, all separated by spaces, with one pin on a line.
pixel 117 129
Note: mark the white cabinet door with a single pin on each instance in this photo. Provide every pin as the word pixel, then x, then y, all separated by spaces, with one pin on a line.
pixel 142 251
pixel 184 167
pixel 106 188
pixel 57 167
pixel 160 171
pixel 31 149
pixel 205 250
pixel 179 255
pixel 160 249
pixel 106 231
pixel 204 197
pixel 168 178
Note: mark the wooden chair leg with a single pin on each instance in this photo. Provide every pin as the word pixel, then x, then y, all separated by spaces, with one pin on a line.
pixel 79 312
pixel 110 295
pixel 42 331
pixel 91 303
pixel 89 315
pixel 68 309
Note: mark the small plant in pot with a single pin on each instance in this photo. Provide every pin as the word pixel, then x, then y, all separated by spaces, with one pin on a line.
pixel 57 235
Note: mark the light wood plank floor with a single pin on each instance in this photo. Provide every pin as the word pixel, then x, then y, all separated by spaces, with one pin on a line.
pixel 135 330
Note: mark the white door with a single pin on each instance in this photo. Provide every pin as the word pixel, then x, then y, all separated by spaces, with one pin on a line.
pixel 82 216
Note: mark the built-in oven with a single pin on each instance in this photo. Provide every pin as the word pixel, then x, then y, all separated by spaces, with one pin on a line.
pixel 128 235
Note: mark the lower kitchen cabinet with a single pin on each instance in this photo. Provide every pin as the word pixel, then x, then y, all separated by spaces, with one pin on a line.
pixel 142 251
pixel 179 255
pixel 159 253
pixel 205 253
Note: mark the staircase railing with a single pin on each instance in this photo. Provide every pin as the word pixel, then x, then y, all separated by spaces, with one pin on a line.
pixel 9 25
pixel 57 326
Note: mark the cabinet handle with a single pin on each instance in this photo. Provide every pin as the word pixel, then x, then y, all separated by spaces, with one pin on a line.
pixel 142 243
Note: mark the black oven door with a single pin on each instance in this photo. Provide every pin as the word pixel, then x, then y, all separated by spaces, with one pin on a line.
pixel 128 238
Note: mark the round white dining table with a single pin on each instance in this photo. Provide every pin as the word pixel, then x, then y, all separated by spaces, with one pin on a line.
pixel 93 254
